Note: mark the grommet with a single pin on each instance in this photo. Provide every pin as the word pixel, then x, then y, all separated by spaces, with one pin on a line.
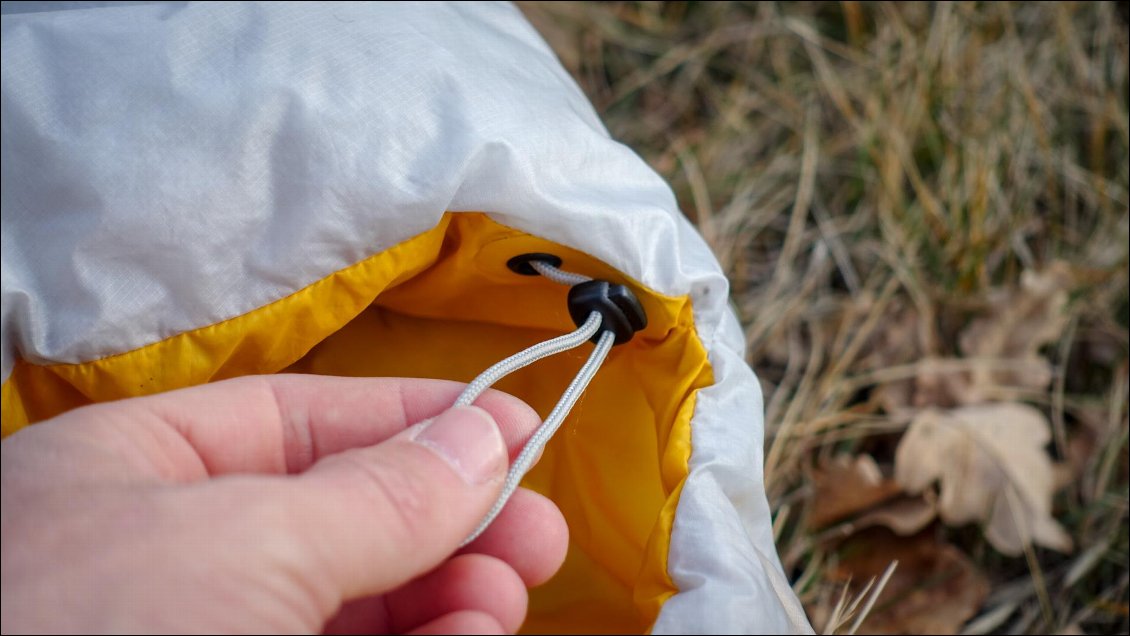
pixel 620 311
pixel 521 264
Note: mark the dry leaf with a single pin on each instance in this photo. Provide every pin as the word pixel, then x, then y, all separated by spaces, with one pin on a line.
pixel 992 467
pixel 905 516
pixel 1020 322
pixel 846 485
pixel 1024 319
pixel 1003 343
pixel 849 485
pixel 934 590
pixel 899 343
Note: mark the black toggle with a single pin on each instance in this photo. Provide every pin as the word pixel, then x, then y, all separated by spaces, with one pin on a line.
pixel 620 311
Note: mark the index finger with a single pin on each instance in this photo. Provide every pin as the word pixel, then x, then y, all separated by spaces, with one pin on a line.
pixel 284 423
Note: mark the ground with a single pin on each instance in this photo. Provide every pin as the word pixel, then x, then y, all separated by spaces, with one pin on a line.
pixel 923 213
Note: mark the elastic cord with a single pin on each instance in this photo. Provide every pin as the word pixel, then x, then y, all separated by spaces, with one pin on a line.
pixel 545 432
pixel 527 357
pixel 557 275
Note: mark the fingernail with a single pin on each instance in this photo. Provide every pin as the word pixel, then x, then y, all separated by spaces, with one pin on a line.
pixel 468 439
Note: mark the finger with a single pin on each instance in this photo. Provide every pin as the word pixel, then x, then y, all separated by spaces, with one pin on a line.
pixel 375 517
pixel 284 423
pixel 530 535
pixel 361 616
pixel 465 622
pixel 468 582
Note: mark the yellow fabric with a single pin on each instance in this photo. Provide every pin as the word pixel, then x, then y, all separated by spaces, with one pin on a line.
pixel 443 304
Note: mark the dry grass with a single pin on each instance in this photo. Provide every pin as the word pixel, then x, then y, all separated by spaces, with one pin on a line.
pixel 874 173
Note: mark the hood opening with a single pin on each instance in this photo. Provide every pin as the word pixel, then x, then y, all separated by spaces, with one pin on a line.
pixel 445 305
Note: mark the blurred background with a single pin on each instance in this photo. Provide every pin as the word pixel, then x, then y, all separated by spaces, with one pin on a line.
pixel 923 213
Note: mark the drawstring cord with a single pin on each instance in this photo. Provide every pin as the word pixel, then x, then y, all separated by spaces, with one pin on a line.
pixel 545 432
pixel 558 276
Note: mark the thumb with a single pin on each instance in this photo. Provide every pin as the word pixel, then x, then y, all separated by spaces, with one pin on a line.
pixel 382 515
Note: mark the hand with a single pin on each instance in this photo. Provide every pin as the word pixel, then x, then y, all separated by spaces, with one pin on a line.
pixel 273 504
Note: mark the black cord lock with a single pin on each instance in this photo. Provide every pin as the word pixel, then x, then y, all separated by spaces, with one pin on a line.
pixel 620 311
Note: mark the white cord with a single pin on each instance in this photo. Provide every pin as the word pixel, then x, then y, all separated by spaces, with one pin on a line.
pixel 545 432
pixel 527 357
pixel 557 275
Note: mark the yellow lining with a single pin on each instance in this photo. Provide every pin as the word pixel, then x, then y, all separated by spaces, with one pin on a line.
pixel 617 467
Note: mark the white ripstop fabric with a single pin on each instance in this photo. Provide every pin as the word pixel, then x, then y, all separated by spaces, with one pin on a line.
pixel 167 166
